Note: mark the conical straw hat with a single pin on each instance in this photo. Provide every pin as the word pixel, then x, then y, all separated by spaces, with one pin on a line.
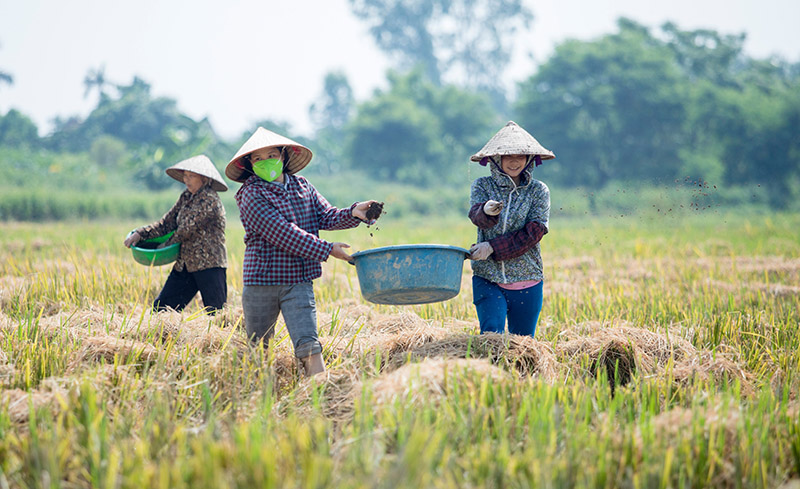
pixel 513 140
pixel 201 165
pixel 299 155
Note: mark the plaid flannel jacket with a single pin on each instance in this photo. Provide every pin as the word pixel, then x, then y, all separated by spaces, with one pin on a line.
pixel 282 224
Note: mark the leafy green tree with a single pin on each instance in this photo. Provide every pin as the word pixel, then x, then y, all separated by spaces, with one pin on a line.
pixel 609 108
pixel 705 54
pixel 756 133
pixel 684 104
pixel 17 130
pixel 466 40
pixel 182 139
pixel 66 131
pixel 776 149
pixel 136 132
pixel 330 113
pixel 741 114
pixel 108 152
pixel 418 132
pixel 334 107
pixel 395 139
pixel 134 117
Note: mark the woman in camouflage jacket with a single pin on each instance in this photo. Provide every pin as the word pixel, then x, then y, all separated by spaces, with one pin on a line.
pixel 511 210
pixel 198 219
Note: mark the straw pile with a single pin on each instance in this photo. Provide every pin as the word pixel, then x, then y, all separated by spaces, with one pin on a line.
pixel 389 336
pixel 108 349
pixel 621 351
pixel 401 338
pixel 6 363
pixel 50 397
pixel 19 403
pixel 678 422
pixel 434 379
pixel 707 365
pixel 757 265
pixel 624 350
pixel 9 288
pixel 681 423
pixel 397 347
pixel 334 391
pixel 6 367
pixel 521 354
pixel 285 369
pixel 198 331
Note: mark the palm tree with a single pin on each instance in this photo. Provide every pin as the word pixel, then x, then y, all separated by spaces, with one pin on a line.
pixel 95 78
pixel 6 78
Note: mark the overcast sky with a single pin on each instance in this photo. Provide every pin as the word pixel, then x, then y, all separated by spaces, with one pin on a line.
pixel 237 61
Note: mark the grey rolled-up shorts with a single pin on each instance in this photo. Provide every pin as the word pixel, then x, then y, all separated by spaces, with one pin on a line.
pixel 262 303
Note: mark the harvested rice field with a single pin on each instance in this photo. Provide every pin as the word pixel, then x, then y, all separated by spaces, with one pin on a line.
pixel 667 355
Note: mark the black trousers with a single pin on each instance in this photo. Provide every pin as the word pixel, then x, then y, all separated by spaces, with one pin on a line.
pixel 181 288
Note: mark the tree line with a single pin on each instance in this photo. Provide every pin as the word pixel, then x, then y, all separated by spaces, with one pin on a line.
pixel 638 106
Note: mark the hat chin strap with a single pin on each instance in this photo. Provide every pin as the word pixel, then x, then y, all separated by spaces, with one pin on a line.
pixel 486 159
pixel 535 158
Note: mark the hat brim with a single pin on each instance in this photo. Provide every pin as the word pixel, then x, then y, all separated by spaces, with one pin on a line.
pixel 513 140
pixel 299 158
pixel 178 175
pixel 202 166
pixel 549 155
pixel 299 155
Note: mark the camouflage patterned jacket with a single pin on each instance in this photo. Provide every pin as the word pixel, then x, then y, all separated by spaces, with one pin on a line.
pixel 199 224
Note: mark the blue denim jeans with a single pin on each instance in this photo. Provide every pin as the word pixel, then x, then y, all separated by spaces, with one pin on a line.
pixel 494 304
pixel 262 303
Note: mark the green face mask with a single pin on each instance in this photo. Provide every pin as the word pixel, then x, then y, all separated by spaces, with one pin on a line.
pixel 269 169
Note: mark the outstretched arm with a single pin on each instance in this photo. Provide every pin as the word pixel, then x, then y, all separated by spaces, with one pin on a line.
pixel 261 218
pixel 480 218
pixel 333 218
pixel 161 227
pixel 517 243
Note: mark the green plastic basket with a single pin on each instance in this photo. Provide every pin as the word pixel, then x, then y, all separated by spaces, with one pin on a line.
pixel 146 251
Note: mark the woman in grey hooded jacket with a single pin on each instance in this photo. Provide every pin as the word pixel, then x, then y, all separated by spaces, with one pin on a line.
pixel 511 210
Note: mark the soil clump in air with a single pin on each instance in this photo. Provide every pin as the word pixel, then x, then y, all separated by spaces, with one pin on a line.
pixel 374 210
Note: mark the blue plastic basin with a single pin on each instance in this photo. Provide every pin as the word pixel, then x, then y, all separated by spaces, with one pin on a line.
pixel 410 274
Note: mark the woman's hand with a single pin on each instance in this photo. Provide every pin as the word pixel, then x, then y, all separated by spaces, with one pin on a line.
pixel 492 207
pixel 362 211
pixel 480 251
pixel 338 251
pixel 132 239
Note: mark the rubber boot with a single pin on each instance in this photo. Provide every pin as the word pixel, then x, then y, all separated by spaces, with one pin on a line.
pixel 313 364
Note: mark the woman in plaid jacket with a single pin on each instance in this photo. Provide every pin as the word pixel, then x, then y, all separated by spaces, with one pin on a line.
pixel 511 210
pixel 282 214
